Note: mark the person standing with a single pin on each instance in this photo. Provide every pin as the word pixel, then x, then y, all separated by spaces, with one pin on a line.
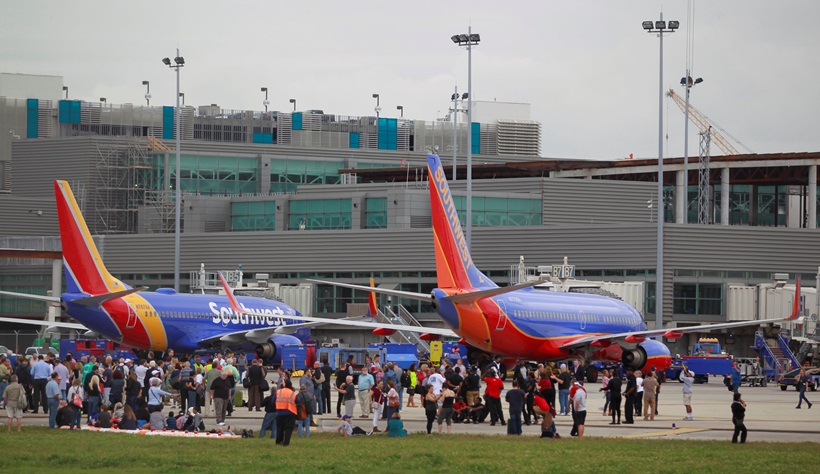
pixel 269 422
pixel 638 393
pixel 735 376
pixel 62 371
pixel 376 404
pixel 650 385
pixel 40 373
pixel 220 391
pixel 738 414
pixel 492 394
pixel 53 396
pixel 688 378
pixel 318 388
pixel 614 389
pixel 285 413
pixel 579 405
pixel 515 402
pixel 341 376
pixel 473 386
pixel 563 389
pixel 93 387
pixel 629 395
pixel 607 395
pixel 328 373
pixel 802 384
pixel 11 397
pixel 256 373
pixel 23 373
pixel 365 382
pixel 304 406
pixel 75 395
pixel 445 413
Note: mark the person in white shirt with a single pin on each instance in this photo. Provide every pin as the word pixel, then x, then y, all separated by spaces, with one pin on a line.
pixel 688 378
pixel 436 381
pixel 639 394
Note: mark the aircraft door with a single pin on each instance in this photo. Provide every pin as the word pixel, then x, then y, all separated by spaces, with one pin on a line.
pixel 132 318
pixel 582 319
pixel 502 316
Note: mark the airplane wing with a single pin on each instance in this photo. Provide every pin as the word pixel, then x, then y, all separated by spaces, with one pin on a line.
pixel 49 299
pixel 402 294
pixel 634 338
pixel 261 335
pixel 50 324
pixel 342 321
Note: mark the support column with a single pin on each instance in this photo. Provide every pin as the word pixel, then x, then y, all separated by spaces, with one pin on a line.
pixel 681 191
pixel 812 207
pixel 724 196
pixel 56 288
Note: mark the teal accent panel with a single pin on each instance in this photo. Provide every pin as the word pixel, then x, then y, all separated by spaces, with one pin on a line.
pixel 263 138
pixel 32 126
pixel 388 130
pixel 69 111
pixel 167 122
pixel 355 140
pixel 296 121
pixel 475 129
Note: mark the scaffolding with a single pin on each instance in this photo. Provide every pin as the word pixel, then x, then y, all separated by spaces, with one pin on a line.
pixel 124 182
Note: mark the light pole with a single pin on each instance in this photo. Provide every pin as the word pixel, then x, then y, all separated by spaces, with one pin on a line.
pixel 103 100
pixel 293 101
pixel 266 102
pixel 400 108
pixel 688 83
pixel 179 62
pixel 469 40
pixel 65 89
pixel 147 92
pixel 377 109
pixel 660 27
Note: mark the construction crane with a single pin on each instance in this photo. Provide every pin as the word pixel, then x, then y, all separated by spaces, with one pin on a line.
pixel 705 124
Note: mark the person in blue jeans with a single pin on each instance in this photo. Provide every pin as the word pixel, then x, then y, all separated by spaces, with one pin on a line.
pixel 304 401
pixel 269 422
pixel 53 395
pixel 802 383
pixel 735 377
pixel 563 389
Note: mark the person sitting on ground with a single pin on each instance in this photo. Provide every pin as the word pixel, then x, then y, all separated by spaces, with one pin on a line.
pixel 129 419
pixel 118 412
pixel 395 427
pixel 64 415
pixel 104 420
pixel 460 410
pixel 142 415
pixel 156 422
pixel 345 428
pixel 171 422
pixel 194 421
pixel 478 411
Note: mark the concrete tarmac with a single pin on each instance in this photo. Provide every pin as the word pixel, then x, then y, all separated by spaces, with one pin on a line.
pixel 770 416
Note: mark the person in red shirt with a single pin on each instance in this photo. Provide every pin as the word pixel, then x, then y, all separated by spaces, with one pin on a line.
pixel 492 395
pixel 460 410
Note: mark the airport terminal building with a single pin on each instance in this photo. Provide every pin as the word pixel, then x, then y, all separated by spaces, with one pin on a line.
pixel 311 194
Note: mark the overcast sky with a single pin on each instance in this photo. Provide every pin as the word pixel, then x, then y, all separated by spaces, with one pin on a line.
pixel 587 67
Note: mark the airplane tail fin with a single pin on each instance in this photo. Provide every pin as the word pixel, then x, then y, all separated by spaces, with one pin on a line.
pixel 797 299
pixel 454 265
pixel 84 268
pixel 372 310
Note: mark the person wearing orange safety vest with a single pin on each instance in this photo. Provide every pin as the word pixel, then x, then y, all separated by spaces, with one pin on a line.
pixel 285 413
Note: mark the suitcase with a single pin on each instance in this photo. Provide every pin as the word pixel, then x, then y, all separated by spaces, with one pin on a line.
pixel 239 399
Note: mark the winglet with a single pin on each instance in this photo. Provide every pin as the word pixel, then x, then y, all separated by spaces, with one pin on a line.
pixel 797 295
pixel 229 294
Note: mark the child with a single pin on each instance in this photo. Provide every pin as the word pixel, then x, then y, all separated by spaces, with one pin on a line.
pixel 345 427
pixel 395 427
pixel 171 422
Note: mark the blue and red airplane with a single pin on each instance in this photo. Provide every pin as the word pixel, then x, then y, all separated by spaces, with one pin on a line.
pixel 518 322
pixel 522 322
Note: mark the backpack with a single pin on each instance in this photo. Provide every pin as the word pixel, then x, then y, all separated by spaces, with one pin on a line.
pixel 405 379
pixel 181 422
pixel 22 402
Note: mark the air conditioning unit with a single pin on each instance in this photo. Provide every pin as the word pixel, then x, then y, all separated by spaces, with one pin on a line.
pixel 335 342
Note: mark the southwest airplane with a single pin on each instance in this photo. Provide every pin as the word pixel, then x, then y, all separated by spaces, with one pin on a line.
pixel 522 322
pixel 163 319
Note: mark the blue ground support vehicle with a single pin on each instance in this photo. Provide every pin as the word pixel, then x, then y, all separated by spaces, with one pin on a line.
pixel 707 359
pixel 401 354
pixel 338 356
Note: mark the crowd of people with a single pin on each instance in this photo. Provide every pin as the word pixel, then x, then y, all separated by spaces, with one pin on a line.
pixel 125 394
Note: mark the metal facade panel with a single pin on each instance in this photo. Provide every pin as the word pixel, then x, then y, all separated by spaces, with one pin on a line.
pixel 585 201
pixel 28 216
pixel 37 163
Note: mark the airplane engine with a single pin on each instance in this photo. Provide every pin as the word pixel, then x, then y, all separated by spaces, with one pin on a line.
pixel 272 350
pixel 647 355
